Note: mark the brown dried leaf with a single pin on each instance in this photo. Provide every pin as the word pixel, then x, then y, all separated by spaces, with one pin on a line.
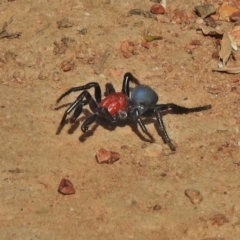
pixel 235 17
pixel 225 11
pixel 235 36
pixel 232 70
pixel 210 31
pixel 218 219
pixel 150 38
pixel 226 50
pixel 194 195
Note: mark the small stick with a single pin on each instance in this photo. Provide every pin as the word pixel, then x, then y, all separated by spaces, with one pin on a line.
pixel 103 60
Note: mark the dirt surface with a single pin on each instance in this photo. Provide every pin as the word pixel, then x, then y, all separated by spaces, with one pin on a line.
pixel 142 195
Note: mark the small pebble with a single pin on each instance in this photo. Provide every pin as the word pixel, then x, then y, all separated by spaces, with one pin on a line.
pixel 66 187
pixel 67 66
pixel 42 75
pixel 205 10
pixel 157 207
pixel 82 31
pixel 157 9
pixel 194 196
pixel 105 156
pixel 210 22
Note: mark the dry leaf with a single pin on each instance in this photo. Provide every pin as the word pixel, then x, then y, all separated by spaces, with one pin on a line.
pixel 150 38
pixel 194 195
pixel 218 219
pixel 225 11
pixel 232 70
pixel 226 50
pixel 235 37
pixel 211 31
pixel 235 17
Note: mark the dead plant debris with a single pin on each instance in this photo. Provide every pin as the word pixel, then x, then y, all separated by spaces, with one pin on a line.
pixel 5 34
pixel 141 12
pixel 64 23
pixel 194 195
pixel 150 38
pixel 218 219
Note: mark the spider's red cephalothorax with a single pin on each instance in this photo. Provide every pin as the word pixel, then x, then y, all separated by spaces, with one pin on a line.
pixel 115 102
pixel 117 107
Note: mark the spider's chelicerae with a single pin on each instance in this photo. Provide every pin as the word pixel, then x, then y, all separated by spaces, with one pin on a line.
pixel 130 104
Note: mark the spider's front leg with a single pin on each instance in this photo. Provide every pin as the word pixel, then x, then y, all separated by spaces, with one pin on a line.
pixel 95 85
pixel 99 112
pixel 78 106
pixel 79 102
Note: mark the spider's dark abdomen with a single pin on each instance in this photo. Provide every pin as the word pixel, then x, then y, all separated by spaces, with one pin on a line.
pixel 144 95
pixel 115 102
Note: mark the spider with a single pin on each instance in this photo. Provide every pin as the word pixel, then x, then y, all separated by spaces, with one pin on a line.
pixel 117 107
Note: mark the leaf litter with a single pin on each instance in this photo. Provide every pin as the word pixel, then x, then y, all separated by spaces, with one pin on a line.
pixel 230 40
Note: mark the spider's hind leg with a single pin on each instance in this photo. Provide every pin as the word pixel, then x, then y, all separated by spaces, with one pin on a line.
pixel 163 130
pixel 176 109
pixel 160 109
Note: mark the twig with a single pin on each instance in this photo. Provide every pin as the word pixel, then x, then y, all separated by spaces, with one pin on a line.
pixel 103 60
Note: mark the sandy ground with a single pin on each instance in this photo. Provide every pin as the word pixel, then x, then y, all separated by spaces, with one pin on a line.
pixel 141 196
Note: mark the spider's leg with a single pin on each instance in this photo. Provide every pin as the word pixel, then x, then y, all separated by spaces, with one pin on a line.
pixel 74 105
pixel 77 105
pixel 128 77
pixel 176 109
pixel 100 111
pixel 97 93
pixel 89 100
pixel 88 122
pixel 164 134
pixel 137 116
pixel 109 89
